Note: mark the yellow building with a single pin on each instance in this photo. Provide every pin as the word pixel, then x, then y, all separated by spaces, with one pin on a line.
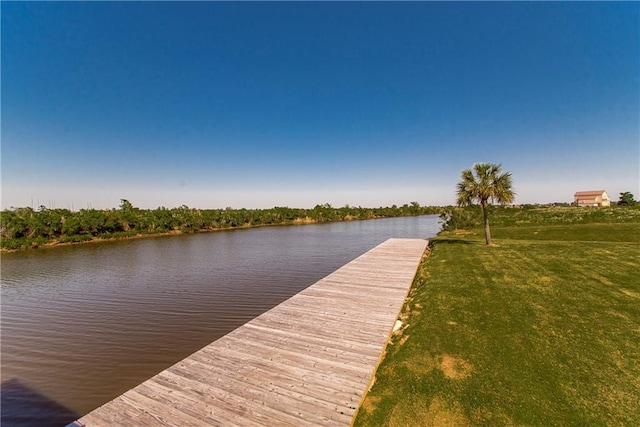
pixel 592 198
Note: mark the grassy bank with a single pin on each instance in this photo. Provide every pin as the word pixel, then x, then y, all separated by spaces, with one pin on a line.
pixel 533 215
pixel 541 328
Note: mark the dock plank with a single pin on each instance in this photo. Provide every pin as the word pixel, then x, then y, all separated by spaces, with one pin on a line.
pixel 306 362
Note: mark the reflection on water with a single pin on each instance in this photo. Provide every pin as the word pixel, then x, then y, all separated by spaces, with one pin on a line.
pixel 82 324
pixel 23 406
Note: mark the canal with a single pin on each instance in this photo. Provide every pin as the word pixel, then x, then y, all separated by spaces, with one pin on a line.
pixel 82 324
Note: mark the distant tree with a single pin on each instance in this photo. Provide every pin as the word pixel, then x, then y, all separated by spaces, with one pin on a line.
pixel 626 199
pixel 127 215
pixel 125 205
pixel 485 183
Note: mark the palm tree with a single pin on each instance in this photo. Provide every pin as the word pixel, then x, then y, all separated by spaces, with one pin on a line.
pixel 488 185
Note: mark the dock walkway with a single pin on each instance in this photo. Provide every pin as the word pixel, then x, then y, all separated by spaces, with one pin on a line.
pixel 307 361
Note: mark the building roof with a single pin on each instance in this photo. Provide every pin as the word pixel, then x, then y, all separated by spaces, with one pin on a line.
pixel 592 193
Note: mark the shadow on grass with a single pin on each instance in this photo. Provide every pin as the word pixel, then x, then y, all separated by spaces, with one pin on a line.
pixel 451 241
pixel 25 407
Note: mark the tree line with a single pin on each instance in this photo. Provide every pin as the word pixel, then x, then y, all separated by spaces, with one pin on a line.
pixel 25 227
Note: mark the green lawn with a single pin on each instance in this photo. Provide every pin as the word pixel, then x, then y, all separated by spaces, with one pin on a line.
pixel 542 328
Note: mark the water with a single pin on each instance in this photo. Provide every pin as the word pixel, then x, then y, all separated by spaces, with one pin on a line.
pixel 83 324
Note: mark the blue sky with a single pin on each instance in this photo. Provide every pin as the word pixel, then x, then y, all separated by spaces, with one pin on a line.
pixel 244 104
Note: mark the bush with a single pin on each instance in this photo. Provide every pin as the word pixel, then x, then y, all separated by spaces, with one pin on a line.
pixel 460 218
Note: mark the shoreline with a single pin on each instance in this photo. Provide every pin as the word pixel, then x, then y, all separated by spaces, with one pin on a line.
pixel 24 229
pixel 296 222
pixel 56 243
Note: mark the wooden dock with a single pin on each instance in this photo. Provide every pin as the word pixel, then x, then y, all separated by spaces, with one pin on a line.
pixel 307 361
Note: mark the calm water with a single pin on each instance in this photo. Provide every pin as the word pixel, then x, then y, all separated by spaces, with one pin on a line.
pixel 82 324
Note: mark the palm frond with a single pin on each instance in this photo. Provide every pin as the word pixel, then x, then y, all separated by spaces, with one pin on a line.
pixel 485 182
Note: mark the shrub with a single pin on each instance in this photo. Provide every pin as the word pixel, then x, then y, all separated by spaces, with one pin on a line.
pixel 460 218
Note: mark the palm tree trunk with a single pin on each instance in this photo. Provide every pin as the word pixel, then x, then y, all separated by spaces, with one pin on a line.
pixel 485 215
